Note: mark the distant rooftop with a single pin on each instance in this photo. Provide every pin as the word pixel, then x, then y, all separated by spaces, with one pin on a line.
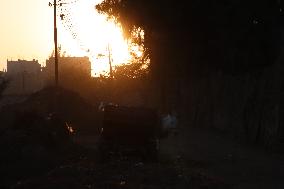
pixel 19 66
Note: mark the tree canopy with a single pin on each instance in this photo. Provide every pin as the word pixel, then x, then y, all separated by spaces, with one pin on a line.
pixel 130 71
pixel 231 35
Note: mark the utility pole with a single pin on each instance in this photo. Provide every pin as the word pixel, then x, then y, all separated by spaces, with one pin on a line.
pixel 55 46
pixel 109 61
pixel 55 42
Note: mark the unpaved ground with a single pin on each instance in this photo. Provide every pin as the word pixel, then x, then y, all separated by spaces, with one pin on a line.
pixel 192 159
pixel 12 99
pixel 218 156
pixel 85 171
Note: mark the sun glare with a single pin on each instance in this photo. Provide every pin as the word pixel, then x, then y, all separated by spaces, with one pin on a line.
pixel 85 32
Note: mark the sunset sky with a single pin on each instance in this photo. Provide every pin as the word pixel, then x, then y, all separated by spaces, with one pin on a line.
pixel 27 32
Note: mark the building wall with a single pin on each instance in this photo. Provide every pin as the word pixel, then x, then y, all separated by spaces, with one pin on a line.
pixel 66 65
pixel 20 66
pixel 73 72
pixel 24 77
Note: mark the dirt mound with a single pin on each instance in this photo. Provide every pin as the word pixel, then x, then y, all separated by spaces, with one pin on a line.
pixel 32 145
pixel 71 108
pixel 35 135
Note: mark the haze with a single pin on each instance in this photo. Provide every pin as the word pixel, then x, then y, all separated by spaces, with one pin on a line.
pixel 27 33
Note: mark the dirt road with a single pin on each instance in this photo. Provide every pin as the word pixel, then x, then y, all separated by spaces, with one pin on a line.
pixel 192 159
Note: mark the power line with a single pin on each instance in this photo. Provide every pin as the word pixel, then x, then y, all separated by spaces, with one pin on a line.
pixel 70 25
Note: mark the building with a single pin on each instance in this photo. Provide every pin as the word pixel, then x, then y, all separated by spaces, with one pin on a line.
pixel 77 66
pixel 24 77
pixel 73 72
pixel 23 66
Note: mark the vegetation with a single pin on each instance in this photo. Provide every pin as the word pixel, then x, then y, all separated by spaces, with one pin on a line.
pixel 234 36
pixel 128 71
pixel 216 62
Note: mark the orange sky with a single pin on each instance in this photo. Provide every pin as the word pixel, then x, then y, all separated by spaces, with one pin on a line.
pixel 27 32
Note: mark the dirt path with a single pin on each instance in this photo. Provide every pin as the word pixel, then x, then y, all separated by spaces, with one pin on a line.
pixel 219 157
pixel 12 99
pixel 197 159
pixel 85 171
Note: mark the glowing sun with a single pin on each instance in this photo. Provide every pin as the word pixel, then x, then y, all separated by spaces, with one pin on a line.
pixel 82 31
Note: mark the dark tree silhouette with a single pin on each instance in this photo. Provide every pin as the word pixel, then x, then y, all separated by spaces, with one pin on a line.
pixel 231 35
pixel 208 56
pixel 130 71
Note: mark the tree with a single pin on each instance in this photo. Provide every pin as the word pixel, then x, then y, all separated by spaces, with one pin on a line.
pixel 130 71
pixel 234 36
pixel 190 41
